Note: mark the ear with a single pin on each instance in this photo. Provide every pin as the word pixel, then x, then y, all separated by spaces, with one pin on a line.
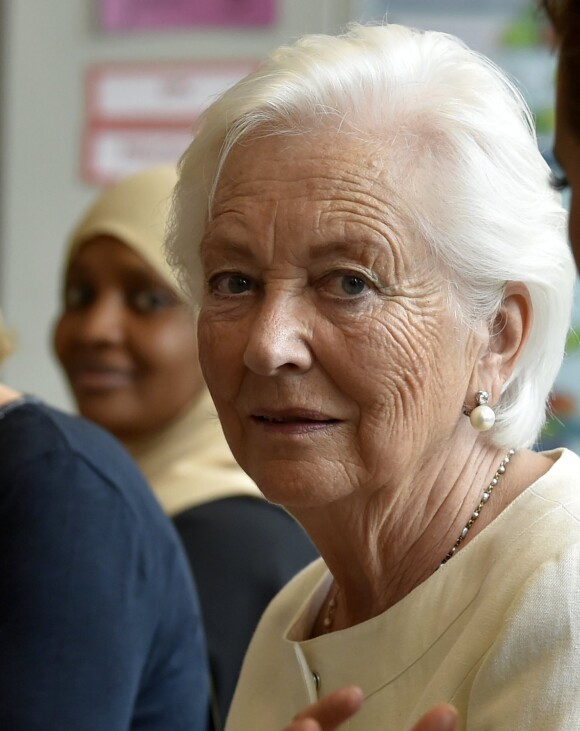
pixel 508 334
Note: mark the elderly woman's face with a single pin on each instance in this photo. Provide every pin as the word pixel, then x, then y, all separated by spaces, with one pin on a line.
pixel 325 336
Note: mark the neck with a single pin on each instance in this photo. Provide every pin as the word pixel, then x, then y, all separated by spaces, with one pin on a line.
pixel 395 537
pixel 189 418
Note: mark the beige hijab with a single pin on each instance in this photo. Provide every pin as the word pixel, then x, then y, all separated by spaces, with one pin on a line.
pixel 188 462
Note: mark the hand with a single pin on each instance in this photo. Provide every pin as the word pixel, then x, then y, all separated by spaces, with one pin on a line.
pixel 439 718
pixel 332 710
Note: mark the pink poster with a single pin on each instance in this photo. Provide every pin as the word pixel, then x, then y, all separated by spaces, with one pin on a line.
pixel 142 114
pixel 157 14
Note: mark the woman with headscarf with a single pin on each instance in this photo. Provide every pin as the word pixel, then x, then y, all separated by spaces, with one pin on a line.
pixel 127 343
pixel 385 291
pixel 100 627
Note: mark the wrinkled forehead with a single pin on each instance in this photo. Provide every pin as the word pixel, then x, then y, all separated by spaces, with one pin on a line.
pixel 321 160
pixel 312 194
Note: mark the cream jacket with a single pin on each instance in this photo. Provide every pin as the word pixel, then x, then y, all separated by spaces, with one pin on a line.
pixel 496 632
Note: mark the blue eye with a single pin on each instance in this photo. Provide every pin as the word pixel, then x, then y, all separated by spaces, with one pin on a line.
pixel 353 285
pixel 344 285
pixel 238 284
pixel 230 284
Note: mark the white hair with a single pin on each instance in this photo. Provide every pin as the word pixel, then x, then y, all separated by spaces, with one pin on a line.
pixel 463 159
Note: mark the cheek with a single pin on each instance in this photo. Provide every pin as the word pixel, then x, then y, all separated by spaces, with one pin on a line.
pixel 215 361
pixel 221 360
pixel 402 367
pixel 381 353
pixel 220 350
pixel 206 344
pixel 61 337
pixel 170 348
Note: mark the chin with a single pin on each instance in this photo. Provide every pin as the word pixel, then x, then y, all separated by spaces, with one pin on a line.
pixel 106 418
pixel 293 486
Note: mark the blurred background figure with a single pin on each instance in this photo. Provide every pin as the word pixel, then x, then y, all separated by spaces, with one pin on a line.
pixel 126 341
pixel 565 17
pixel 100 626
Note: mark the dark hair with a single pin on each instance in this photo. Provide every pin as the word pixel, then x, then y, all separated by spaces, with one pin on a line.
pixel 565 17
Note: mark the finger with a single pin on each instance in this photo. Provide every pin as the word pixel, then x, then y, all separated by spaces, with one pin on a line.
pixel 333 709
pixel 304 724
pixel 440 718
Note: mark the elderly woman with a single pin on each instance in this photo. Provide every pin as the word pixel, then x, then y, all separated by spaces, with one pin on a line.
pixel 565 16
pixel 127 343
pixel 385 298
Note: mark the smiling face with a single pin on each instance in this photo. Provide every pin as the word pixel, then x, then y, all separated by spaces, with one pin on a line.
pixel 125 341
pixel 324 334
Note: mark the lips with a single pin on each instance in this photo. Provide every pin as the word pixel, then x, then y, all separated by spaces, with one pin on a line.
pixel 99 378
pixel 292 415
pixel 292 421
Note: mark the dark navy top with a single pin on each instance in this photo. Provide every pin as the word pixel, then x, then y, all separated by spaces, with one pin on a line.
pixel 242 550
pixel 99 622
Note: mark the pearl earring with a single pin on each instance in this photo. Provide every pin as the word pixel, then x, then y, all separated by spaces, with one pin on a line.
pixel 482 417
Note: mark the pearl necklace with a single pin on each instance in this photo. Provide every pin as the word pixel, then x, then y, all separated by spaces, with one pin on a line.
pixel 328 620
pixel 484 498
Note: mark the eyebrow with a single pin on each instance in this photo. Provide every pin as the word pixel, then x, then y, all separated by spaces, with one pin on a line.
pixel 323 250
pixel 317 251
pixel 225 247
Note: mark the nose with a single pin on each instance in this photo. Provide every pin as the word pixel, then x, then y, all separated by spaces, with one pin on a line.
pixel 279 337
pixel 103 322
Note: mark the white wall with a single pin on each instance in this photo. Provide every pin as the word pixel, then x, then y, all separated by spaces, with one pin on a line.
pixel 47 46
